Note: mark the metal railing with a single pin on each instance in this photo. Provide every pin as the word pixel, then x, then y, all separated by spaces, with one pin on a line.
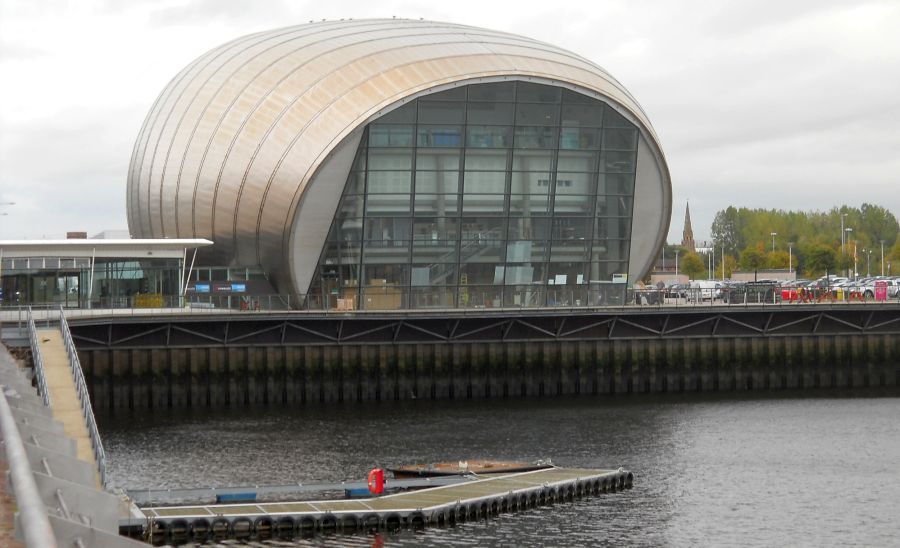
pixel 32 511
pixel 38 360
pixel 462 298
pixel 81 386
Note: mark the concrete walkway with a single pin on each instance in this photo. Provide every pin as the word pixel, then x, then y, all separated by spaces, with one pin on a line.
pixel 64 400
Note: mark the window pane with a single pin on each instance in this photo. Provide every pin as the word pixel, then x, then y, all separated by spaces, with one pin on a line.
pixel 387 229
pixel 484 160
pixel 530 114
pixel 529 228
pixel 439 136
pixel 532 182
pixel 526 251
pixel 573 138
pixel 499 91
pixel 583 184
pixel 488 136
pixel 435 229
pixel 572 228
pixel 385 274
pixel 495 114
pixel 582 115
pixel 481 251
pixel 348 228
pixel 438 182
pixel 535 137
pixel 437 204
pixel 484 204
pixel 438 160
pixel 613 119
pixel 585 162
pixel 570 250
pixel 613 161
pixel 387 182
pixel 484 182
pixel 394 204
pixel 619 139
pixel 529 204
pixel 532 160
pixel 569 96
pixel 482 228
pixel 405 114
pixel 441 112
pixel 616 183
pixel 356 183
pixel 390 158
pixel 384 135
pixel 568 204
pixel 536 93
pixel 386 251
pixel 452 94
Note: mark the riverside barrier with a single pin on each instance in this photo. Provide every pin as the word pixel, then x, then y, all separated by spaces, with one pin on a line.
pixel 153 361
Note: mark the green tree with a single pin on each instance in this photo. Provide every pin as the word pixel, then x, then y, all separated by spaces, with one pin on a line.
pixel 820 260
pixel 692 265
pixel 752 259
pixel 726 231
pixel 777 259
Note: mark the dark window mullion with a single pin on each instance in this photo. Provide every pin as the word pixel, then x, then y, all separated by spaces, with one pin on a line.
pixel 554 165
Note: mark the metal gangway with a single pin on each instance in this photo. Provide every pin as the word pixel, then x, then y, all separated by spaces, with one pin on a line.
pixel 61 383
pixel 57 492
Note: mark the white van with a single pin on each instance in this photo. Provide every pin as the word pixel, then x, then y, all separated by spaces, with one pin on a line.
pixel 706 290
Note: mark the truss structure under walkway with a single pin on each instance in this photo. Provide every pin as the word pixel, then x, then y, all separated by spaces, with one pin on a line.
pixel 287 329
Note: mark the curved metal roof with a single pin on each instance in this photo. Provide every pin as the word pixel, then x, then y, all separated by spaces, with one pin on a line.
pixel 233 140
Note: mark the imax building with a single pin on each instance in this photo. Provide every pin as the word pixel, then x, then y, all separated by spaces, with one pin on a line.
pixel 405 164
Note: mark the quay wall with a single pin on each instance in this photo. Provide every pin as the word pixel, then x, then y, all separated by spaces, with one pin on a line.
pixel 278 374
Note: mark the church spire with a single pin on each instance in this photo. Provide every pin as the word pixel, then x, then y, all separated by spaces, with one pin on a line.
pixel 687 237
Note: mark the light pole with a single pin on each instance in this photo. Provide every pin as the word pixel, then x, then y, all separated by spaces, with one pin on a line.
pixel 842 233
pixel 868 253
pixel 854 259
pixel 790 257
pixel 847 231
pixel 882 257
pixel 773 234
pixel 723 263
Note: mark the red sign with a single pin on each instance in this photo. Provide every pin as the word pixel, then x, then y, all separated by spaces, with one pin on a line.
pixel 881 290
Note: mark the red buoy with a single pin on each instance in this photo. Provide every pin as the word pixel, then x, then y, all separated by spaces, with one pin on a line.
pixel 376 481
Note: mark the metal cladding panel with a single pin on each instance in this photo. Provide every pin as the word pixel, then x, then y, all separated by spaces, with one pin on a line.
pixel 231 144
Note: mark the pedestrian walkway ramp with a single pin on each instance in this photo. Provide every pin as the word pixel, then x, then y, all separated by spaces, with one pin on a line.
pixel 61 388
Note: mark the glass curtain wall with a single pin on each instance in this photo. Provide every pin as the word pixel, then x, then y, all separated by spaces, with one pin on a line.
pixel 486 195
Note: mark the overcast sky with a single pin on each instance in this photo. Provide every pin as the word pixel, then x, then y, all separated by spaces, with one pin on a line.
pixel 791 104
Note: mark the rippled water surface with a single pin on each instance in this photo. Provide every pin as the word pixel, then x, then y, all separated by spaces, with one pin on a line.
pixel 710 470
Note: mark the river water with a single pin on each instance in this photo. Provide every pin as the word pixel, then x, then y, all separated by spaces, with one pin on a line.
pixel 813 469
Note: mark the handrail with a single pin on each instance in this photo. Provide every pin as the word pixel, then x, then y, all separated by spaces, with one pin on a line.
pixel 32 512
pixel 83 396
pixel 38 360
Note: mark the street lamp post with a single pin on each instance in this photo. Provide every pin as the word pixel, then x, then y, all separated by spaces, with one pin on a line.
pixel 790 257
pixel 882 257
pixel 842 233
pixel 868 253
pixel 854 260
pixel 773 234
pixel 847 231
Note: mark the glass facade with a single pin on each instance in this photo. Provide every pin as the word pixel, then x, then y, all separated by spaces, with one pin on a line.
pixel 487 195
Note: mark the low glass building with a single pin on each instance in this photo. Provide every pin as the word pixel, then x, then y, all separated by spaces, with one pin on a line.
pixel 394 164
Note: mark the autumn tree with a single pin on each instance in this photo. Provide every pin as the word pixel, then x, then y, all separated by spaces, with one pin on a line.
pixel 692 265
pixel 752 259
pixel 820 260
